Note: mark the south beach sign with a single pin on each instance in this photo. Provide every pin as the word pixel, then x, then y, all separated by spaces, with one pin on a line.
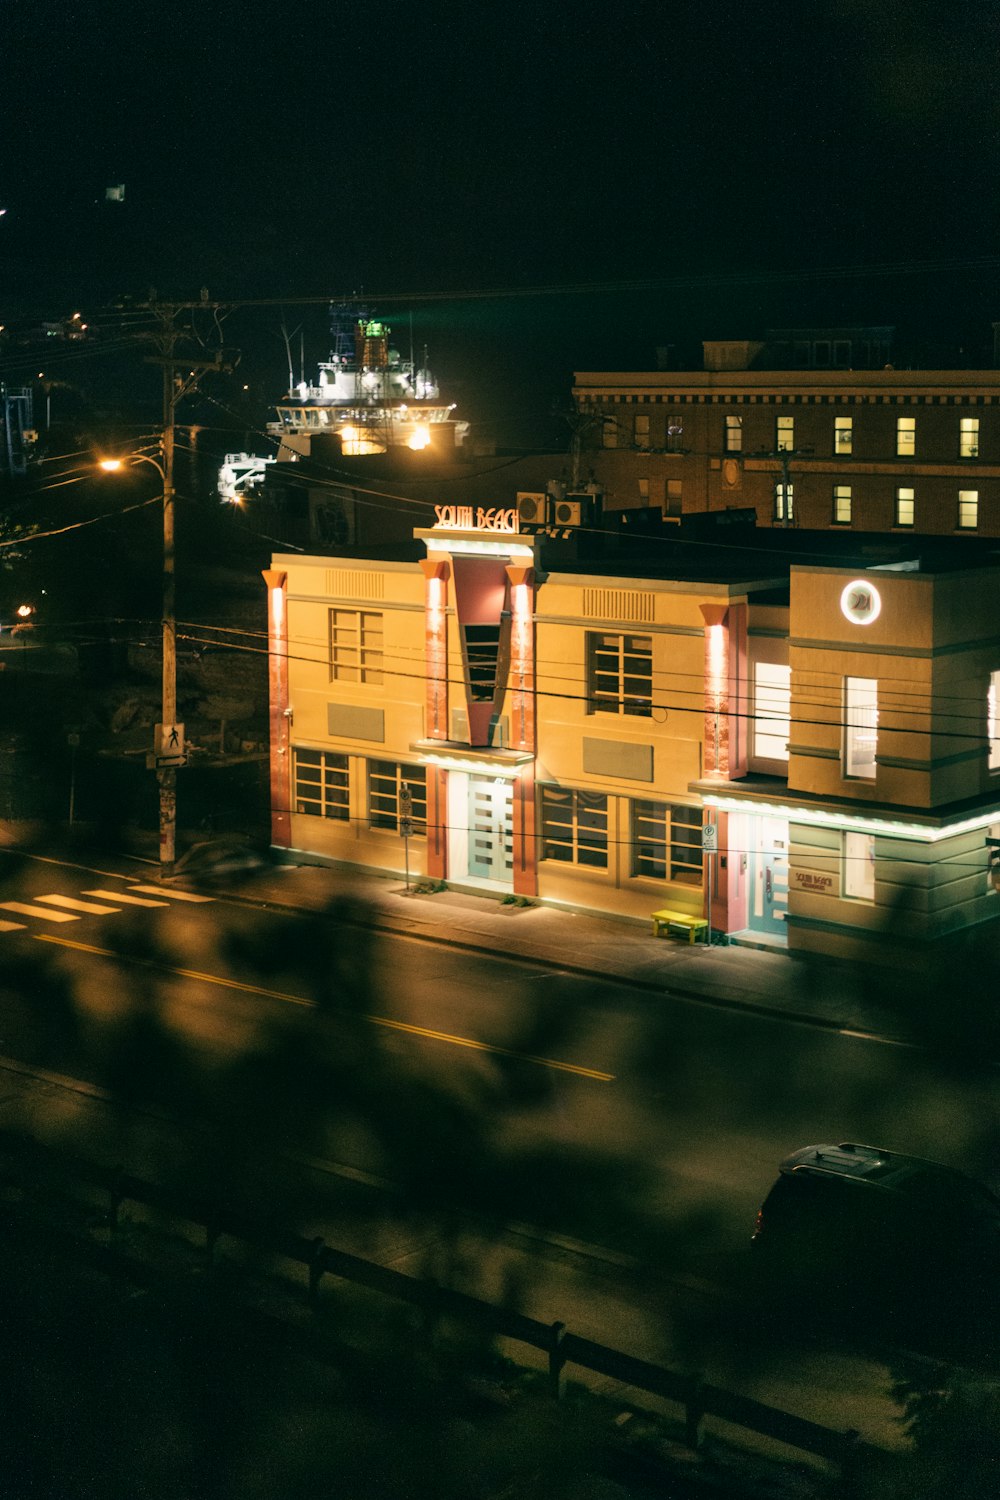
pixel 474 518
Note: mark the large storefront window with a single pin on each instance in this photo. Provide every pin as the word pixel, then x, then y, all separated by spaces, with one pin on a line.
pixel 321 784
pixel 385 780
pixel 666 842
pixel 574 826
pixel 620 669
pixel 860 726
pixel 993 721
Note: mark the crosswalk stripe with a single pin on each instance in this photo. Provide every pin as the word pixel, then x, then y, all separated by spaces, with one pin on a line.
pixel 159 890
pixel 122 900
pixel 11 926
pixel 25 910
pixel 74 905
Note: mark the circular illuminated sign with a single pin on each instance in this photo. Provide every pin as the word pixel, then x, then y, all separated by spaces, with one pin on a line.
pixel 860 602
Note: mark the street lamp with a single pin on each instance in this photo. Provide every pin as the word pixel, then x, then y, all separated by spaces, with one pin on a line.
pixel 169 748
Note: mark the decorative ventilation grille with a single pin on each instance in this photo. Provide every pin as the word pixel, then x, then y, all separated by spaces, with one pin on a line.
pixel 356 583
pixel 619 604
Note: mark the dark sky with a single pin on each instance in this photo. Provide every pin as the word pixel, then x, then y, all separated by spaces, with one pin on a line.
pixel 757 163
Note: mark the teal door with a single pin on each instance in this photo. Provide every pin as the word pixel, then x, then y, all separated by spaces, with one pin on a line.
pixel 491 813
pixel 769 874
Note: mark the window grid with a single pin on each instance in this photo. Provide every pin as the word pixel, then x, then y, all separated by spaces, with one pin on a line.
pixel 784 435
pixel 968 437
pixel 385 781
pixel 843 434
pixel 640 432
pixel 666 842
pixel 905 506
pixel 993 721
pixel 355 646
pixel 321 781
pixel 784 502
pixel 733 435
pixel 842 504
pixel 906 437
pixel 574 827
pixel 621 674
pixel 968 510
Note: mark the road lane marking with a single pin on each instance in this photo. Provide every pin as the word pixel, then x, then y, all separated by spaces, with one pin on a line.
pixel 594 1075
pixel 74 905
pixel 171 894
pixel 24 910
pixel 121 898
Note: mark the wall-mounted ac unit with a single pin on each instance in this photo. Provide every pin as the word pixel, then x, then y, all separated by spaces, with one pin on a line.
pixel 532 507
pixel 460 726
pixel 574 510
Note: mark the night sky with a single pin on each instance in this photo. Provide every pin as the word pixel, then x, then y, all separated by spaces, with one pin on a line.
pixel 673 170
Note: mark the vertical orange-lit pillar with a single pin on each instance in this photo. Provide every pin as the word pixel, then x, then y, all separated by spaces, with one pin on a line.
pixel 280 717
pixel 522 726
pixel 725 754
pixel 436 574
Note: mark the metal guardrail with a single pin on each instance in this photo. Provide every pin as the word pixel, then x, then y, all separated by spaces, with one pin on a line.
pixel 561 1347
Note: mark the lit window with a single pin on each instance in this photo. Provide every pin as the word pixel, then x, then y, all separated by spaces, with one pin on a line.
pixel 321 784
pixel 993 721
pixel 784 437
pixel 733 434
pixel 842 504
pixel 843 434
pixel 859 866
pixel 860 726
pixel 784 502
pixel 674 497
pixel 666 842
pixel 355 646
pixel 386 779
pixel 968 437
pixel 905 506
pixel 906 436
pixel 641 432
pixel 621 674
pixel 968 510
pixel 772 707
pixel 574 827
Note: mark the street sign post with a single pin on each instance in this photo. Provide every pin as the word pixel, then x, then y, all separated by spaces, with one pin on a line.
pixel 406 825
pixel 168 745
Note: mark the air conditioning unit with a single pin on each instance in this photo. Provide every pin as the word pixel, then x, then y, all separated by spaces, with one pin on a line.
pixel 460 726
pixel 531 507
pixel 574 510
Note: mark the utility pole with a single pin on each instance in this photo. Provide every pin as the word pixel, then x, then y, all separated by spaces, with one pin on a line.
pixel 175 387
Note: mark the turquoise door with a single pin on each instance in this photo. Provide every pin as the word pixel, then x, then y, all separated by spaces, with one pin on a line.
pixel 769 878
pixel 491 812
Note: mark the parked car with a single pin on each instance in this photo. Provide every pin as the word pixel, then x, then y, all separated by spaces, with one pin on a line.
pixel 909 1246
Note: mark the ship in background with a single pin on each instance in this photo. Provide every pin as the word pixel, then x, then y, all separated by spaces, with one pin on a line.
pixel 367 394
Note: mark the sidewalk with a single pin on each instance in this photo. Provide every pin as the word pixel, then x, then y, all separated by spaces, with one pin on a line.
pixel 819 992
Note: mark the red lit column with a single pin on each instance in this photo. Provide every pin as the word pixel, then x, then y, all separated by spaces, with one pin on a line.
pixel 436 572
pixel 522 726
pixel 280 717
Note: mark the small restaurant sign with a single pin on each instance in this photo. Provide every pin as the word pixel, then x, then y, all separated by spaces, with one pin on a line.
pixel 811 880
pixel 474 518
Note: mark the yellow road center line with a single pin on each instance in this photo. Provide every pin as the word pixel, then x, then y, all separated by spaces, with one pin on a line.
pixel 594 1074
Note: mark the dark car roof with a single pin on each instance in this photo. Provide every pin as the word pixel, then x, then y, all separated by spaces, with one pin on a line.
pixel 889 1170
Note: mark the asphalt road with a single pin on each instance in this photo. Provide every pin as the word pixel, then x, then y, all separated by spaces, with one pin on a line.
pixel 632 1135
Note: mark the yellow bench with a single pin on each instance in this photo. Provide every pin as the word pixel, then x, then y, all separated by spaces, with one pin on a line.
pixel 691 926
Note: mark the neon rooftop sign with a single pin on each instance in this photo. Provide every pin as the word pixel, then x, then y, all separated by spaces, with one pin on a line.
pixel 474 518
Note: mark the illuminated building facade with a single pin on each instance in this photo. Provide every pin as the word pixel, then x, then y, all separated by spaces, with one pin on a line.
pixel 833 439
pixel 565 729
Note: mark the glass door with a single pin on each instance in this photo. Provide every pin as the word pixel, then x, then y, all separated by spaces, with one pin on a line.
pixel 491 814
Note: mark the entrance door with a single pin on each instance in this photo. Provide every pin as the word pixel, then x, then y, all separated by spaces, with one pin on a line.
pixel 491 826
pixel 769 869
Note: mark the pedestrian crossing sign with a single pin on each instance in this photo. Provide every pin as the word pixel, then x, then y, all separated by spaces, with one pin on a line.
pixel 168 743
